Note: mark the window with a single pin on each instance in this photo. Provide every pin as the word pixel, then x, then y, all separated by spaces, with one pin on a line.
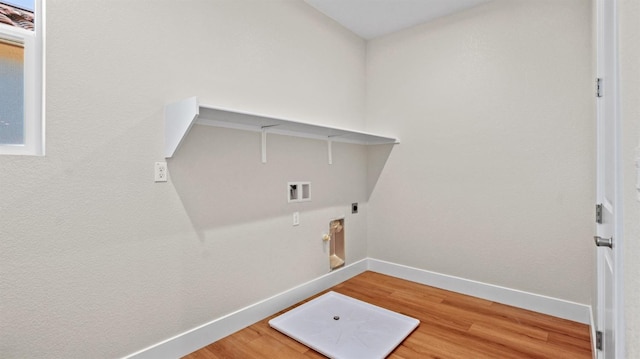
pixel 21 77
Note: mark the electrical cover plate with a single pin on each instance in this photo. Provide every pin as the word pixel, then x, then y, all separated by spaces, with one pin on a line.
pixel 298 192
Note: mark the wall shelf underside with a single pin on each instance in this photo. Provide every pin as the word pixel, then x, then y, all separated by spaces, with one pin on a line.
pixel 180 117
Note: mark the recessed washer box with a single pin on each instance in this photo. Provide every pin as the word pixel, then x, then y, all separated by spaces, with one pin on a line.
pixel 298 192
pixel 342 327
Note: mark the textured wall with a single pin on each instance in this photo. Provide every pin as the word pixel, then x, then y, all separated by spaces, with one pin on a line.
pixel 97 260
pixel 629 13
pixel 494 179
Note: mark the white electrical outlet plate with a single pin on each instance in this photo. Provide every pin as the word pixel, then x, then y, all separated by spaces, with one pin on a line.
pixel 161 172
pixel 296 218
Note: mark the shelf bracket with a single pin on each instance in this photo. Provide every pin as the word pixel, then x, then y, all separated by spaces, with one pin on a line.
pixel 264 144
pixel 179 117
pixel 330 150
pixel 264 129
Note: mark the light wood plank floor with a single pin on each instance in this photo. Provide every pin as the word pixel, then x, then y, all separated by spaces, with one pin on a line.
pixel 452 326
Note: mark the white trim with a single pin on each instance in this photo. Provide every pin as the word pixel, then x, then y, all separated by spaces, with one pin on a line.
pixel 196 338
pixel 610 72
pixel 592 329
pixel 34 83
pixel 619 324
pixel 539 303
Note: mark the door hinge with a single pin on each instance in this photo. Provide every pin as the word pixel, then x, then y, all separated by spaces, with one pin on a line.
pixel 599 340
pixel 599 87
pixel 599 213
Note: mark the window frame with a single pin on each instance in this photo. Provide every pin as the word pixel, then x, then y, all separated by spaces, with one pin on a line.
pixel 34 89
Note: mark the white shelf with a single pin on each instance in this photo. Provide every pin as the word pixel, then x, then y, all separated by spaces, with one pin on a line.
pixel 180 116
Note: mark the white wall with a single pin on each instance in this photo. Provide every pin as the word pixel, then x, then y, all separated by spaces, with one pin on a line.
pixel 494 177
pixel 629 13
pixel 96 260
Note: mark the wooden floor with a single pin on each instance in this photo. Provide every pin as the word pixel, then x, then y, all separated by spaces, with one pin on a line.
pixel 451 326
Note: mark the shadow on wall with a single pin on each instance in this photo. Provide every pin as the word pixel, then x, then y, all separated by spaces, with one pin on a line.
pixel 377 157
pixel 221 181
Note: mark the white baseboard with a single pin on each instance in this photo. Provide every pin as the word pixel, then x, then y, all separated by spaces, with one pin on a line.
pixel 538 303
pixel 196 338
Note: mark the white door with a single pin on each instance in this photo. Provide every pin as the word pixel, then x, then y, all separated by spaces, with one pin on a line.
pixel 609 236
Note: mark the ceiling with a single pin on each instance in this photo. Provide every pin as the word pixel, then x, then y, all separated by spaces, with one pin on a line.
pixel 373 18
